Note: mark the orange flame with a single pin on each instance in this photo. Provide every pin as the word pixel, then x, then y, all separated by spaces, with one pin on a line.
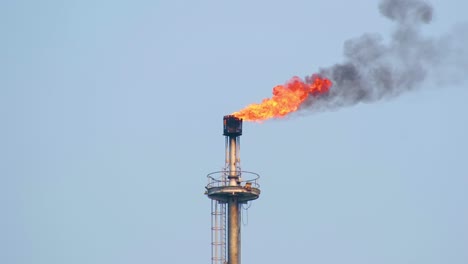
pixel 286 99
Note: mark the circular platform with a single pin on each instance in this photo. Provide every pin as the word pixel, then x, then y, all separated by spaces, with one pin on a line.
pixel 223 194
pixel 219 188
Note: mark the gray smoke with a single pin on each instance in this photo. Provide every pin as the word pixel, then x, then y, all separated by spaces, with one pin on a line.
pixel 373 70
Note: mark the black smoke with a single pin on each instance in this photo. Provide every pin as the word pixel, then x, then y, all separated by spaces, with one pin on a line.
pixel 373 70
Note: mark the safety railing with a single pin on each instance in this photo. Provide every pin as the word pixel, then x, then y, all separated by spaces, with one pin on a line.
pixel 220 178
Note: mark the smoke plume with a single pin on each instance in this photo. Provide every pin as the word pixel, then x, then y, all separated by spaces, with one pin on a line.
pixel 374 70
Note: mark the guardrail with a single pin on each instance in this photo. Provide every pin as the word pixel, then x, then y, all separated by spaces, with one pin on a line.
pixel 220 178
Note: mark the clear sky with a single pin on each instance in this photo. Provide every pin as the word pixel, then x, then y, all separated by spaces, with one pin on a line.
pixel 111 117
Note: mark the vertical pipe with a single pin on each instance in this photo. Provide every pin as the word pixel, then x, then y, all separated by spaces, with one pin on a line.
pixel 233 206
pixel 233 232
pixel 238 154
pixel 224 235
pixel 226 158
pixel 233 175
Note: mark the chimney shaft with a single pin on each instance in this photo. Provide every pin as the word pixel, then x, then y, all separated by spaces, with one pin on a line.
pixel 232 131
pixel 228 190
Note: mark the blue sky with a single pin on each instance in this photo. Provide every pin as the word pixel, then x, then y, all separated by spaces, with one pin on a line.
pixel 111 118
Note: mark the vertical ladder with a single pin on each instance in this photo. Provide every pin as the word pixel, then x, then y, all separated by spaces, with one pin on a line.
pixel 218 232
pixel 218 220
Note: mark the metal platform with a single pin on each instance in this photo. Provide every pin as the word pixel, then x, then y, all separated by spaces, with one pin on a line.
pixel 247 188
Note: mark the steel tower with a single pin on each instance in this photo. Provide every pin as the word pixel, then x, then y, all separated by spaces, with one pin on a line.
pixel 229 188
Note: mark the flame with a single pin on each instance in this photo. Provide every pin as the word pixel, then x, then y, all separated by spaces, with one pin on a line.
pixel 286 98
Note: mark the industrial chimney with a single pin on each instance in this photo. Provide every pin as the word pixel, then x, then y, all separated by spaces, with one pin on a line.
pixel 229 188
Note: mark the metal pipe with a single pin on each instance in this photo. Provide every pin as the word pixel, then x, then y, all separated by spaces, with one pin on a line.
pixel 233 175
pixel 233 203
pixel 233 232
pixel 226 156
